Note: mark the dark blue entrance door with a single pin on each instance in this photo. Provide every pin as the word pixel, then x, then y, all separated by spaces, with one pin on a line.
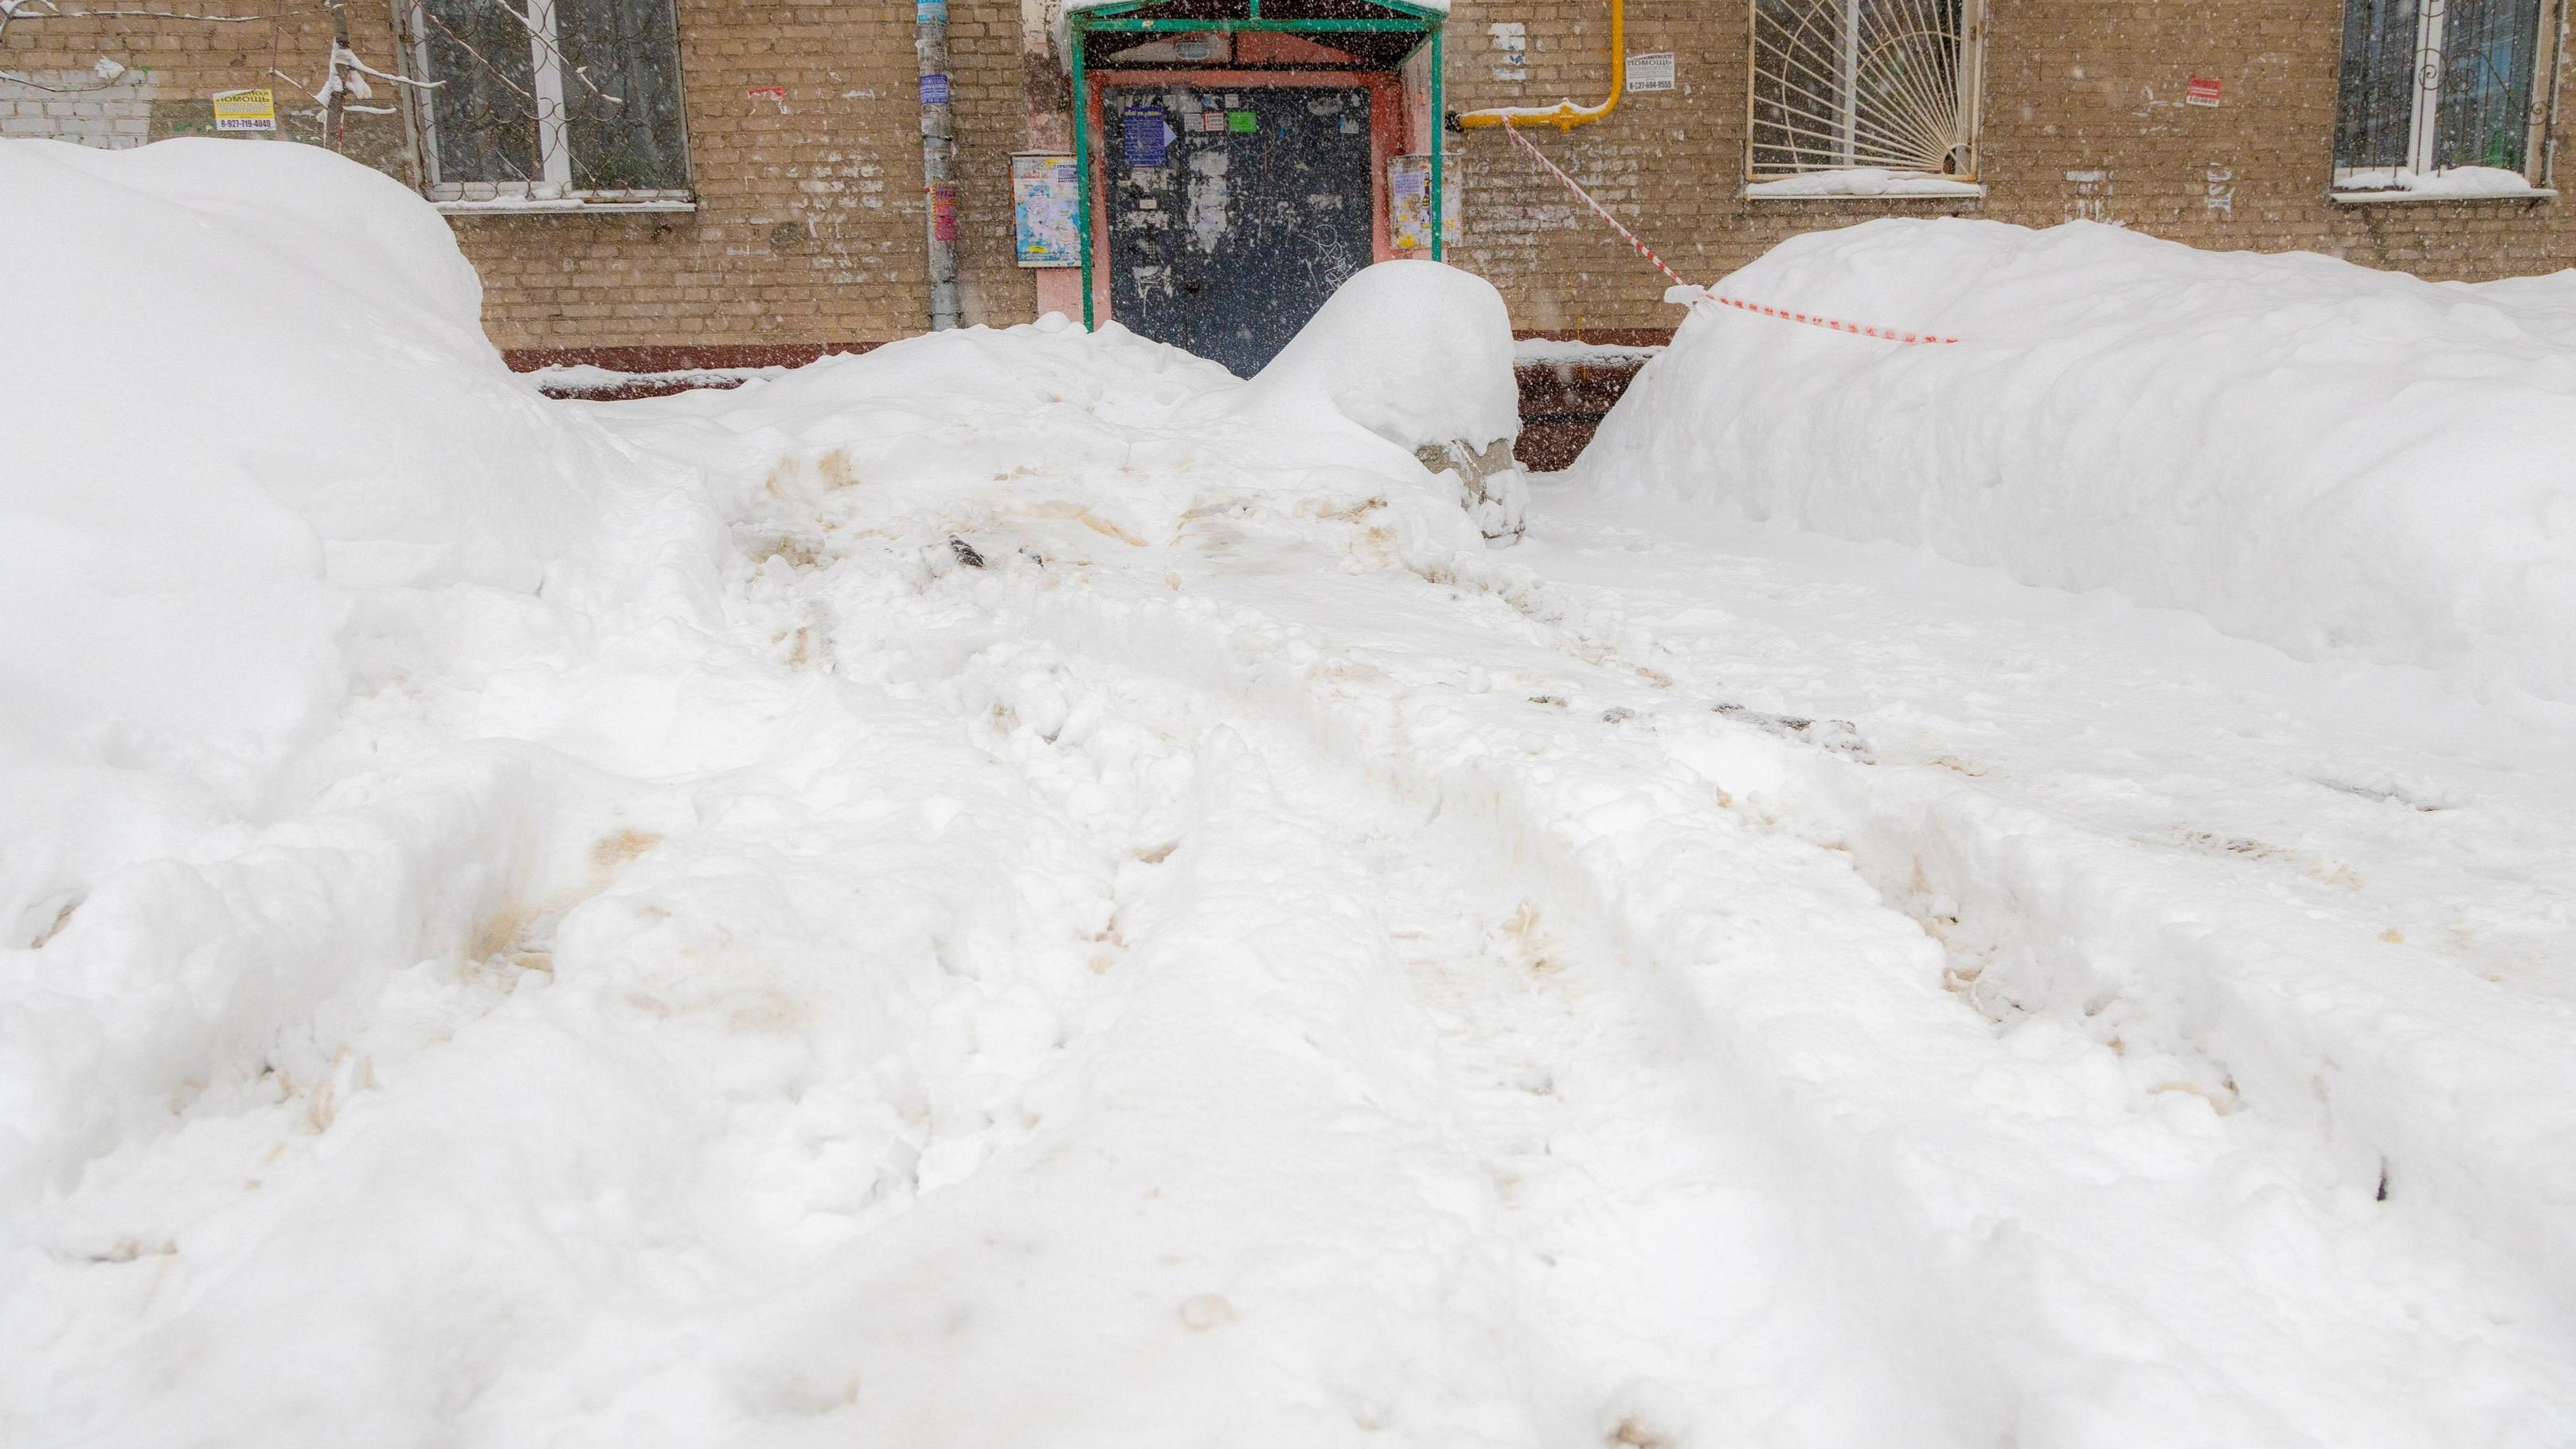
pixel 1233 214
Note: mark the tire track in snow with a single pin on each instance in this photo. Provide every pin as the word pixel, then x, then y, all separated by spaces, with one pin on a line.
pixel 1653 1254
pixel 1733 1258
pixel 2213 1200
pixel 2369 1065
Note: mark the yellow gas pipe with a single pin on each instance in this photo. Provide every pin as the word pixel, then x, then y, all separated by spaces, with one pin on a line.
pixel 1566 115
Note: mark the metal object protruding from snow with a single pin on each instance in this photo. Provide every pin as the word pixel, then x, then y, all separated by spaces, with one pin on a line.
pixel 1495 491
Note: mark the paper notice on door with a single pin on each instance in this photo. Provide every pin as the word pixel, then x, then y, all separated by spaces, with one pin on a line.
pixel 1146 135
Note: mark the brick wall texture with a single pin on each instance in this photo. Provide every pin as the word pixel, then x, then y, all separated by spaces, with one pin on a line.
pixel 810 220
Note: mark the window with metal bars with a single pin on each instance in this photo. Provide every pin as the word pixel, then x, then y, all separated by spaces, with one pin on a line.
pixel 574 101
pixel 1865 84
pixel 2429 86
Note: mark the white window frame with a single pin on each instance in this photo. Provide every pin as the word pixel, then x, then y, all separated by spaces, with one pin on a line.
pixel 1803 184
pixel 552 190
pixel 2364 184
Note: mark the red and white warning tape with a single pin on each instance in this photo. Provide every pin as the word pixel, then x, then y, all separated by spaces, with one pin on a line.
pixel 1830 324
pixel 1598 209
pixel 1702 294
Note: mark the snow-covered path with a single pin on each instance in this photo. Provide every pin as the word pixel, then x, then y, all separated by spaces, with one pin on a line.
pixel 1085 938
pixel 2164 1175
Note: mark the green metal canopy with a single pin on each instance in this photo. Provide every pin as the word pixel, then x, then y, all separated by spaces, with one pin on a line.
pixel 1381 33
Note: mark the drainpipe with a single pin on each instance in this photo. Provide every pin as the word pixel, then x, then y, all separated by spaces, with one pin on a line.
pixel 938 146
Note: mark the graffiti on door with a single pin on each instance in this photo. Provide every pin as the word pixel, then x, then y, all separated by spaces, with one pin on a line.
pixel 1233 214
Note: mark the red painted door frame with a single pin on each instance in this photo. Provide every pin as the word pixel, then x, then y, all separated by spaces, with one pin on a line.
pixel 1386 140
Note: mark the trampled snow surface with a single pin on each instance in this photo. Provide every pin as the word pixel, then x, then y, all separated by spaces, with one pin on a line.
pixel 978 906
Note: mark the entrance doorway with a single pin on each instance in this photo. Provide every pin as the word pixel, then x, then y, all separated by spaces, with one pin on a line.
pixel 1237 158
pixel 1234 210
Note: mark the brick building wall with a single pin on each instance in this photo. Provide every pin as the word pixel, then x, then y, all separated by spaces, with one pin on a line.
pixel 158 75
pixel 2092 87
pixel 805 153
pixel 810 219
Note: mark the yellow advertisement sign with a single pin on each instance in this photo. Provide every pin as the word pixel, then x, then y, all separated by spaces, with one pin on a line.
pixel 245 110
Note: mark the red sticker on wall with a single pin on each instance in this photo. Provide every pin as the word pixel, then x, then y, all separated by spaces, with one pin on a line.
pixel 943 211
pixel 2203 91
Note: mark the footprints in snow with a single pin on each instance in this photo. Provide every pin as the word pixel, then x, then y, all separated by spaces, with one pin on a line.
pixel 1840 736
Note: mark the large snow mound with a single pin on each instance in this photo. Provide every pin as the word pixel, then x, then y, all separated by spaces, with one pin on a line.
pixel 1416 352
pixel 1411 353
pixel 244 379
pixel 2310 453
pixel 278 319
pixel 252 426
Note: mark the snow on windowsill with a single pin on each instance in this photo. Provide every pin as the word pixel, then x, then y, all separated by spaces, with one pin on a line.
pixel 2459 183
pixel 554 206
pixel 1859 183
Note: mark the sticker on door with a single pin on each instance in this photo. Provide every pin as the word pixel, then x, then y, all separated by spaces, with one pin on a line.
pixel 1147 135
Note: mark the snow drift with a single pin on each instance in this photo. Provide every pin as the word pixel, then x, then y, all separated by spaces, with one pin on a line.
pixel 246 379
pixel 1415 352
pixel 250 410
pixel 1418 354
pixel 2310 453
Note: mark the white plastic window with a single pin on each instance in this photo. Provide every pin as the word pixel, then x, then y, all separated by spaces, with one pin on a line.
pixel 2446 96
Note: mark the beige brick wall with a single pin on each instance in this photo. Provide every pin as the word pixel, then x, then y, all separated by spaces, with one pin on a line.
pixel 2071 86
pixel 170 69
pixel 810 222
pixel 990 98
pixel 811 219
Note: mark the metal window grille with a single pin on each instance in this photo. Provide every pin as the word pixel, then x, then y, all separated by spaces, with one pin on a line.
pixel 2432 84
pixel 576 100
pixel 1889 84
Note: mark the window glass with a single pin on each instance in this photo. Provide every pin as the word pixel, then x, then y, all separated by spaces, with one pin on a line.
pixel 1860 83
pixel 2487 54
pixel 2375 108
pixel 1905 104
pixel 622 94
pixel 484 115
pixel 2430 86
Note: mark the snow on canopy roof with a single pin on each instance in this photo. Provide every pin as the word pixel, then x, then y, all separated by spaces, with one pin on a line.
pixel 1060 12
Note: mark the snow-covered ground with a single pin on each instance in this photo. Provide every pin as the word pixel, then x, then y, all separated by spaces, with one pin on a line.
pixel 1015 890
